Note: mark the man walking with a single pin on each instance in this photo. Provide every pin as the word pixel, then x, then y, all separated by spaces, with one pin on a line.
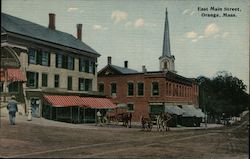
pixel 12 107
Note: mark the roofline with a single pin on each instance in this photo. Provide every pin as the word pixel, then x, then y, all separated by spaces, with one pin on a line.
pixel 29 38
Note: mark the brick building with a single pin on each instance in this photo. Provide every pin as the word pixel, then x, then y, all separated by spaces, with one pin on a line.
pixel 38 62
pixel 148 92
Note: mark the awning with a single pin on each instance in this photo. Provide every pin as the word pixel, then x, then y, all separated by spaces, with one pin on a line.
pixel 13 74
pixel 190 111
pixel 98 103
pixel 65 101
pixel 174 110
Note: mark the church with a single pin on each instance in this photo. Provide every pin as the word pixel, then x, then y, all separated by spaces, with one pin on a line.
pixel 145 92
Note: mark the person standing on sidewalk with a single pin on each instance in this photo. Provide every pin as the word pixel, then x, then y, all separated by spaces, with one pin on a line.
pixel 12 107
pixel 99 118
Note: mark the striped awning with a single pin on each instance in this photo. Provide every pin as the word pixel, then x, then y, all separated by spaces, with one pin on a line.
pixel 98 103
pixel 13 74
pixel 65 101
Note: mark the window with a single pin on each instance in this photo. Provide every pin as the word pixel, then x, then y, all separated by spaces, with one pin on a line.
pixel 57 80
pixel 113 89
pixel 101 88
pixel 32 56
pixel 59 60
pixel 44 80
pixel 45 58
pixel 81 84
pixel 92 67
pixel 32 80
pixel 130 89
pixel 155 88
pixel 13 86
pixel 156 108
pixel 69 83
pixel 81 65
pixel 86 66
pixel 130 107
pixel 88 84
pixel 140 89
pixel 70 63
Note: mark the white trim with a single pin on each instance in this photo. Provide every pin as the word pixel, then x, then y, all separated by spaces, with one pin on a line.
pixel 13 45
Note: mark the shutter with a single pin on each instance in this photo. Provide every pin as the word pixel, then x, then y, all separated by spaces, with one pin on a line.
pixel 37 80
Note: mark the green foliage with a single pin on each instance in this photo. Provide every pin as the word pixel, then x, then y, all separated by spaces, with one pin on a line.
pixel 223 94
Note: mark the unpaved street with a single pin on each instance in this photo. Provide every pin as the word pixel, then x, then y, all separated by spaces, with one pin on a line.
pixel 28 140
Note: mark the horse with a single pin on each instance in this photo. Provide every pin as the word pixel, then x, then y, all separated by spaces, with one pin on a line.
pixel 162 121
pixel 126 118
pixel 146 123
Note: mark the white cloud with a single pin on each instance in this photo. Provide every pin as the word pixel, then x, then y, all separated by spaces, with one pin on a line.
pixel 71 9
pixel 119 16
pixel 191 35
pixel 211 29
pixel 200 37
pixel 194 40
pixel 188 12
pixel 99 27
pixel 139 23
pixel 128 24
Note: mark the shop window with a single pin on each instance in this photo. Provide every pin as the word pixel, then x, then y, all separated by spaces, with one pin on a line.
pixel 13 86
pixel 130 107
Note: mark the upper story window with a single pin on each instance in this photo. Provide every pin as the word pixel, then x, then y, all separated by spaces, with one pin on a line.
pixel 81 86
pixel 101 88
pixel 155 88
pixel 44 80
pixel 32 56
pixel 113 89
pixel 88 84
pixel 32 80
pixel 140 89
pixel 59 60
pixel 69 87
pixel 130 89
pixel 57 81
pixel 45 58
pixel 71 63
pixel 39 57
pixel 86 66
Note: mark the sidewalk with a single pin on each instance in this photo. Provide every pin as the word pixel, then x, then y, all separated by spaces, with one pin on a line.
pixel 46 122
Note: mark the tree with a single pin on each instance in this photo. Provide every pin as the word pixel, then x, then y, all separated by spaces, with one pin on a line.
pixel 223 94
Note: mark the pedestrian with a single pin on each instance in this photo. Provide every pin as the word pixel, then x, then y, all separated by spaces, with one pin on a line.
pixel 12 107
pixel 99 116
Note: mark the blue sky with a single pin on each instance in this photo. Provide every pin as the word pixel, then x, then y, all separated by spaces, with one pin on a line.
pixel 133 30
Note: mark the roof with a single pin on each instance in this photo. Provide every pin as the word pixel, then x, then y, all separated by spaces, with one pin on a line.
pixel 13 74
pixel 123 70
pixel 23 27
pixel 190 111
pixel 174 110
pixel 66 101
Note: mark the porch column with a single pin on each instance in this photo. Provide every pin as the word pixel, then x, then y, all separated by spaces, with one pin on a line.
pixel 78 114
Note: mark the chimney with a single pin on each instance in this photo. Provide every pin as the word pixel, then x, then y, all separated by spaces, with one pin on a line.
pixel 52 18
pixel 144 70
pixel 126 64
pixel 79 31
pixel 109 60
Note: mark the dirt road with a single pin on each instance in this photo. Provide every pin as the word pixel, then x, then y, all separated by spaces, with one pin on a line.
pixel 28 140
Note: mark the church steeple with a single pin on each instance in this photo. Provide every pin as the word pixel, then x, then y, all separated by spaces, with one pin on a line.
pixel 166 41
pixel 166 60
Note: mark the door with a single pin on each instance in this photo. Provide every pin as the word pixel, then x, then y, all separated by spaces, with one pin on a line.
pixel 35 107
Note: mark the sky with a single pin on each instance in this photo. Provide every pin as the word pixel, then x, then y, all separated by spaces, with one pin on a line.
pixel 133 30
